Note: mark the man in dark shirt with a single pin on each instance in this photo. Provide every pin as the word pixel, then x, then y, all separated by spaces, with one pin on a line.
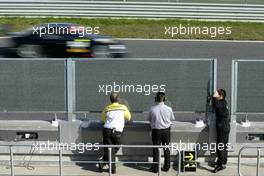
pixel 222 128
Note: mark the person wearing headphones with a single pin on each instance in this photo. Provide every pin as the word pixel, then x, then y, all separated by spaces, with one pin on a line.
pixel 222 128
pixel 160 117
pixel 113 117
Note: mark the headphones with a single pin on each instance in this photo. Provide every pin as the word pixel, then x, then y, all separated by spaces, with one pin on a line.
pixel 159 95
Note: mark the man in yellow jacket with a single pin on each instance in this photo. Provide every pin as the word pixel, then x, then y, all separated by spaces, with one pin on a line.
pixel 113 117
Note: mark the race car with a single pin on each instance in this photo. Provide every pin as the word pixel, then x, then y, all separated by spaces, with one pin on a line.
pixel 61 40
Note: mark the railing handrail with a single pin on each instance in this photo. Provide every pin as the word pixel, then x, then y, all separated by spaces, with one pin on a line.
pixel 99 145
pixel 90 112
pixel 34 112
pixel 108 59
pixel 258 158
pixel 159 147
pixel 249 113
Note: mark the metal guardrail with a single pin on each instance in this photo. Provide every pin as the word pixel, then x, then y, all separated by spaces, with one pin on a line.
pixel 187 1
pixel 86 9
pixel 60 154
pixel 258 158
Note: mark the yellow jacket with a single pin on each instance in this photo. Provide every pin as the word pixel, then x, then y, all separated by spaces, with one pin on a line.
pixel 114 116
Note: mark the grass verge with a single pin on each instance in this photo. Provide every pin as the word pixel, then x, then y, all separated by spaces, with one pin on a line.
pixel 154 29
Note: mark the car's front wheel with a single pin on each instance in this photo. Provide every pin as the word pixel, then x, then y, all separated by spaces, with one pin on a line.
pixel 30 51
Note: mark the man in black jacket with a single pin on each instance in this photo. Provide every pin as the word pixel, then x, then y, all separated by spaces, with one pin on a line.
pixel 222 128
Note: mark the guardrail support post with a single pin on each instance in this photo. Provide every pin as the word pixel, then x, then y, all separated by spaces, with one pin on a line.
pixel 179 162
pixel 159 162
pixel 60 162
pixel 70 87
pixel 110 160
pixel 238 162
pixel 11 161
pixel 258 161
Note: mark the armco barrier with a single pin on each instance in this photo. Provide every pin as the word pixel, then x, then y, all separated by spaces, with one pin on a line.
pixel 86 9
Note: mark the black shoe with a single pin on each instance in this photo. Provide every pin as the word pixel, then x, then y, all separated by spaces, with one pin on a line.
pixel 154 169
pixel 113 171
pixel 165 168
pixel 100 167
pixel 219 168
pixel 212 164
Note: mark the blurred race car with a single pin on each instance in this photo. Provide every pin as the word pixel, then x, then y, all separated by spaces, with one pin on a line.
pixel 61 40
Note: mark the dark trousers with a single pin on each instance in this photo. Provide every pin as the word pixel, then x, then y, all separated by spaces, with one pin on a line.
pixel 111 137
pixel 161 136
pixel 222 137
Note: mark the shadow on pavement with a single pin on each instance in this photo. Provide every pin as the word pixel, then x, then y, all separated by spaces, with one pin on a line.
pixel 140 167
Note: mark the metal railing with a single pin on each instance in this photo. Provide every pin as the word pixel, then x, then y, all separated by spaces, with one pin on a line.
pixel 187 1
pixel 60 154
pixel 85 9
pixel 258 159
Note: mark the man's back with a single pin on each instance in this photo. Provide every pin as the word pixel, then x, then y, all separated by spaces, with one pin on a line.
pixel 114 116
pixel 160 116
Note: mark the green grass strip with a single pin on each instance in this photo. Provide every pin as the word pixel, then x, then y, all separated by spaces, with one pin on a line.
pixel 152 29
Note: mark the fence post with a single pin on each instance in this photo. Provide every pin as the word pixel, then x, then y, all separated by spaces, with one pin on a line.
pixel 110 160
pixel 179 162
pixel 239 160
pixel 258 161
pixel 60 162
pixel 11 161
pixel 70 89
pixel 159 161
